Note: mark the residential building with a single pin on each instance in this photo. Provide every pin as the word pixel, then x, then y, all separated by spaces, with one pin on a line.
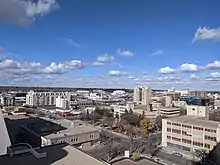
pixel 5 141
pixel 44 98
pixel 59 154
pixel 198 93
pixel 7 100
pixel 186 134
pixel 169 111
pixel 142 95
pixel 196 110
pixel 62 102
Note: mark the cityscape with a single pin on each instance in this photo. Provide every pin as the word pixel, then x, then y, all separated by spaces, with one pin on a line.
pixel 109 82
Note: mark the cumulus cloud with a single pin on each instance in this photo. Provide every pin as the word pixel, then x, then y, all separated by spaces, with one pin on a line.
pixel 189 68
pixel 103 59
pixel 213 65
pixel 215 75
pixel 157 52
pixel 23 12
pixel 117 73
pixel 206 33
pixel 126 53
pixel 167 70
pixel 194 77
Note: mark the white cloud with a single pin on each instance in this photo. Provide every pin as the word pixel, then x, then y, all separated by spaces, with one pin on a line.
pixel 206 33
pixel 131 77
pixel 189 68
pixel 74 64
pixel 8 64
pixel 213 65
pixel 24 12
pixel 167 70
pixel 126 53
pixel 215 75
pixel 194 77
pixel 117 73
pixel 103 59
pixel 157 52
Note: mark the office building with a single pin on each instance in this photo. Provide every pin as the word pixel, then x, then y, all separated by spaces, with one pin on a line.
pixel 44 98
pixel 186 134
pixel 142 95
pixel 168 101
pixel 194 100
pixel 169 111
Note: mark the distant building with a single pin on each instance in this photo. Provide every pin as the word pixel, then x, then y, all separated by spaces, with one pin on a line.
pixel 217 104
pixel 198 93
pixel 200 111
pixel 44 98
pixel 62 102
pixel 169 111
pixel 168 101
pixel 7 100
pixel 121 109
pixel 156 106
pixel 142 95
pixel 194 100
pixel 174 95
pixel 180 104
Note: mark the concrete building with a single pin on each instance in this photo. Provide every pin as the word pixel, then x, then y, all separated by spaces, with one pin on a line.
pixel 168 101
pixel 180 104
pixel 62 102
pixel 44 98
pixel 7 100
pixel 60 154
pixel 217 104
pixel 121 109
pixel 60 131
pixel 198 93
pixel 186 134
pixel 200 111
pixel 169 111
pixel 5 141
pixel 174 95
pixel 156 106
pixel 142 95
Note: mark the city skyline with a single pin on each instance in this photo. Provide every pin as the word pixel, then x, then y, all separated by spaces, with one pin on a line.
pixel 110 44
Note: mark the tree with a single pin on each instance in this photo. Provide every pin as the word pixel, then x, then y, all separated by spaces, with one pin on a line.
pixel 130 111
pixel 145 125
pixel 158 123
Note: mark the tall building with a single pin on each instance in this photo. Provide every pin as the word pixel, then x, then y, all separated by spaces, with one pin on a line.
pixel 44 98
pixel 7 100
pixel 168 101
pixel 142 95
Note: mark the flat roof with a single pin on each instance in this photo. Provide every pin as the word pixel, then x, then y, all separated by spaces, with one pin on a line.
pixel 72 128
pixel 60 154
pixel 194 120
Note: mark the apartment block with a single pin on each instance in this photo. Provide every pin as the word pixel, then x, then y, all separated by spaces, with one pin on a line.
pixel 142 95
pixel 7 100
pixel 44 98
pixel 189 133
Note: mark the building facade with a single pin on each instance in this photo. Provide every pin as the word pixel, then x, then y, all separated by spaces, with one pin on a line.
pixel 170 111
pixel 198 93
pixel 7 100
pixel 142 95
pixel 44 98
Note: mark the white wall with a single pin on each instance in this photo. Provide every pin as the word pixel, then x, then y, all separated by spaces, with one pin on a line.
pixel 195 110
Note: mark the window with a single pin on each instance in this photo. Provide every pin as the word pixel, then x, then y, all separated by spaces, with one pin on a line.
pixel 186 126
pixel 177 124
pixel 210 138
pixel 197 128
pixel 169 123
pixel 176 139
pixel 186 141
pixel 197 144
pixel 168 129
pixel 185 133
pixel 176 131
pixel 193 109
pixel 207 146
pixel 91 136
pixel 210 130
pixel 168 137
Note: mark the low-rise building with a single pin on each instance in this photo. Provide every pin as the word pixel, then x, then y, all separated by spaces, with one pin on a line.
pixel 196 110
pixel 187 134
pixel 217 104
pixel 180 104
pixel 156 106
pixel 169 111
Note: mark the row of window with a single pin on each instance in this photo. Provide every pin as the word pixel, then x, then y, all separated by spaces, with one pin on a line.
pixel 186 126
pixel 210 130
pixel 186 141
pixel 176 131
pixel 210 138
pixel 197 144
pixel 185 133
pixel 198 128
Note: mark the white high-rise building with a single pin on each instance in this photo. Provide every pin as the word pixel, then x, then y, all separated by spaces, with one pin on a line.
pixel 62 102
pixel 142 95
pixel 44 98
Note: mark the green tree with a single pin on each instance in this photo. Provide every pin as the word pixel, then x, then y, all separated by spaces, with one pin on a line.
pixel 145 125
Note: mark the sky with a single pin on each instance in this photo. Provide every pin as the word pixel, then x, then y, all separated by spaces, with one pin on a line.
pixel 110 43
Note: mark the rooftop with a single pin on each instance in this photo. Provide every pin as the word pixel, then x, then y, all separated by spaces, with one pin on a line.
pixel 72 128
pixel 60 154
pixel 195 120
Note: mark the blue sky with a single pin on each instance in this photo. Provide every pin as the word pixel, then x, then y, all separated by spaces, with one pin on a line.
pixel 110 43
